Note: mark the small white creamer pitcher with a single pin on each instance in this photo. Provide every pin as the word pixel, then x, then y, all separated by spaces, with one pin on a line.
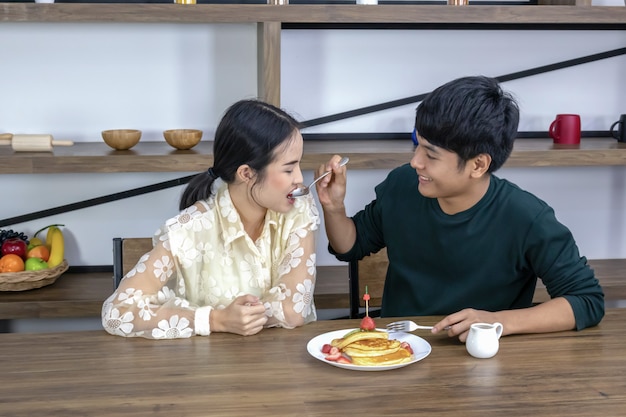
pixel 483 340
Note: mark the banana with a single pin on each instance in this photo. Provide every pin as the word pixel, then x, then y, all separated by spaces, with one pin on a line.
pixel 57 247
pixel 356 336
pixel 51 230
pixel 49 234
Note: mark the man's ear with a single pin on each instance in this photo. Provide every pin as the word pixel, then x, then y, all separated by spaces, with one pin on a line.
pixel 245 173
pixel 480 165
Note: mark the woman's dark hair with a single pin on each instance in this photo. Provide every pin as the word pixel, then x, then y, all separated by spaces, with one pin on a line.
pixel 248 133
pixel 470 116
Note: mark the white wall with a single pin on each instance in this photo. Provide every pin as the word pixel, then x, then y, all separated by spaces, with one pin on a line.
pixel 74 80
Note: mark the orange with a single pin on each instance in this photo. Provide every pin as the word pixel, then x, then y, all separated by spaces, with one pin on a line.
pixel 11 263
pixel 40 251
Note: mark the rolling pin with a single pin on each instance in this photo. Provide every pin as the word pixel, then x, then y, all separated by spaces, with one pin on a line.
pixel 32 143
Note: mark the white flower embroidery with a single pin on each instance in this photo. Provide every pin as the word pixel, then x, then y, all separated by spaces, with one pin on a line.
pixel 180 221
pixel 227 209
pixel 232 293
pixel 187 253
pixel 290 261
pixel 120 326
pixel 214 291
pixel 173 329
pixel 280 292
pixel 181 302
pixel 163 268
pixel 206 252
pixel 275 309
pixel 187 218
pixel 181 286
pixel 310 264
pixel 226 258
pixel 145 309
pixel 130 296
pixel 251 271
pixel 315 217
pixel 302 299
pixel 204 221
pixel 294 238
pixel 165 294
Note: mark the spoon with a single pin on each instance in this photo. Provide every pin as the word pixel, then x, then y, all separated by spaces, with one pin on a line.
pixel 302 191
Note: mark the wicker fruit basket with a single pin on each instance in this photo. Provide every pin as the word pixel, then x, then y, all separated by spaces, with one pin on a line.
pixel 28 280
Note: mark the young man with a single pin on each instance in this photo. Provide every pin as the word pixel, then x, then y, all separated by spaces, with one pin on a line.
pixel 462 242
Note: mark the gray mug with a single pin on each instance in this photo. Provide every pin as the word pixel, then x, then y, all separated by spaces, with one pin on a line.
pixel 620 133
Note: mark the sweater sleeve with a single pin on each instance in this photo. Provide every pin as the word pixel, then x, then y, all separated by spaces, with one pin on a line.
pixel 555 258
pixel 369 226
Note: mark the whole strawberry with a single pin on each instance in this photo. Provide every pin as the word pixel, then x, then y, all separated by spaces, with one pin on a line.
pixel 368 324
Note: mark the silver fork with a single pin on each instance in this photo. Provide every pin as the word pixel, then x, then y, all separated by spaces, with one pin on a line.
pixel 405 326
pixel 302 191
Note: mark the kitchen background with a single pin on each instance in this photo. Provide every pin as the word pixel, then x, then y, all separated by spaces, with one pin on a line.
pixel 73 80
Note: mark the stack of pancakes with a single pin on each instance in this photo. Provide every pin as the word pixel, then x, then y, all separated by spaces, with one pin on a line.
pixel 372 348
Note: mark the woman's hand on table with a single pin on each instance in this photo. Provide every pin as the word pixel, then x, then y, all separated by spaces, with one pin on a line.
pixel 244 316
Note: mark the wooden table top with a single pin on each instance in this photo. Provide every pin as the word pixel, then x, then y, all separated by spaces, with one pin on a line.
pixel 93 373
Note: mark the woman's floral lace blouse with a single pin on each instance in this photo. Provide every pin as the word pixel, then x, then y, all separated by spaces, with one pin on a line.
pixel 203 259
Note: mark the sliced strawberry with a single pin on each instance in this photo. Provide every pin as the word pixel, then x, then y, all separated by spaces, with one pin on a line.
pixel 334 356
pixel 326 348
pixel 343 359
pixel 405 345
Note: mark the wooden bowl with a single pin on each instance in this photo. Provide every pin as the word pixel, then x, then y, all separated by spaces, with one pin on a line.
pixel 121 139
pixel 182 138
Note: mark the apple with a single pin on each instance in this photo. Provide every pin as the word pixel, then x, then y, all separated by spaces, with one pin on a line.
pixel 35 264
pixel 14 245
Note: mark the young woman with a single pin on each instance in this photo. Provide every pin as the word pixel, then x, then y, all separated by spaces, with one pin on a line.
pixel 240 256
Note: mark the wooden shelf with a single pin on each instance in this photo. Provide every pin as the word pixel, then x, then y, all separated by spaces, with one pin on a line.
pixel 375 154
pixel 325 13
pixel 159 157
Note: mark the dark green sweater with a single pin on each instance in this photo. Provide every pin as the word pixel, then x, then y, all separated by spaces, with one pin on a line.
pixel 487 257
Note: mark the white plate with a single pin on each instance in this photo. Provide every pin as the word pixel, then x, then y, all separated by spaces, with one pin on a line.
pixel 421 349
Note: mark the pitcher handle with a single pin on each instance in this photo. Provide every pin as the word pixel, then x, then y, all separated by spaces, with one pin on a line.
pixel 499 329
pixel 614 132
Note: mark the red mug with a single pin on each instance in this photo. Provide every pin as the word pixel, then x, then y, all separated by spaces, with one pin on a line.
pixel 565 129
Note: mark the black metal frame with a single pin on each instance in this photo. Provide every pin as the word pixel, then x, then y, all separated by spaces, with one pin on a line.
pixel 354 294
pixel 353 285
pixel 118 261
